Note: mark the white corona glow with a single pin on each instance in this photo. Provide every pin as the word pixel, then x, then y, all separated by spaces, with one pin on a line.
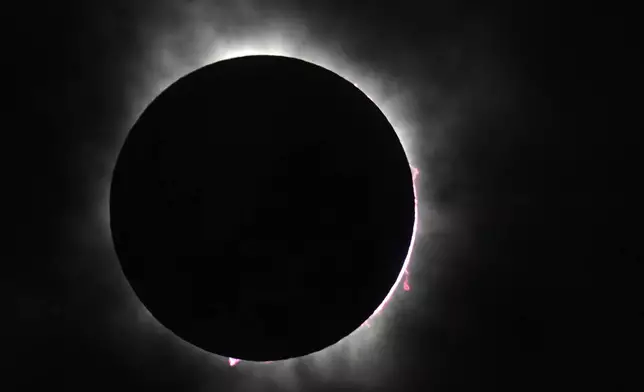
pixel 429 99
pixel 357 355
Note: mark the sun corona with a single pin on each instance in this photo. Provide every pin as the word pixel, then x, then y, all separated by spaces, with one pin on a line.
pixel 279 40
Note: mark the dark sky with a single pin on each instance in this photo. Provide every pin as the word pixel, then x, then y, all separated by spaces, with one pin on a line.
pixel 515 116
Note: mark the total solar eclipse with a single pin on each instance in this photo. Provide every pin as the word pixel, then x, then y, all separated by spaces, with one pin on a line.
pixel 262 208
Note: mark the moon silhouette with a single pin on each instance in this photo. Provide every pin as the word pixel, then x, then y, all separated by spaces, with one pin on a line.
pixel 262 208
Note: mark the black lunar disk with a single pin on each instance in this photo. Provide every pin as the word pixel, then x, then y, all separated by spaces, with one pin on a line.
pixel 262 208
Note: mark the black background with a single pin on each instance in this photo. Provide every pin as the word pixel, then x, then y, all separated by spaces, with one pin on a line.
pixel 536 286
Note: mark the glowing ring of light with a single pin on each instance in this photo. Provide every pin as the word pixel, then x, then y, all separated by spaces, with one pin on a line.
pixel 275 42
